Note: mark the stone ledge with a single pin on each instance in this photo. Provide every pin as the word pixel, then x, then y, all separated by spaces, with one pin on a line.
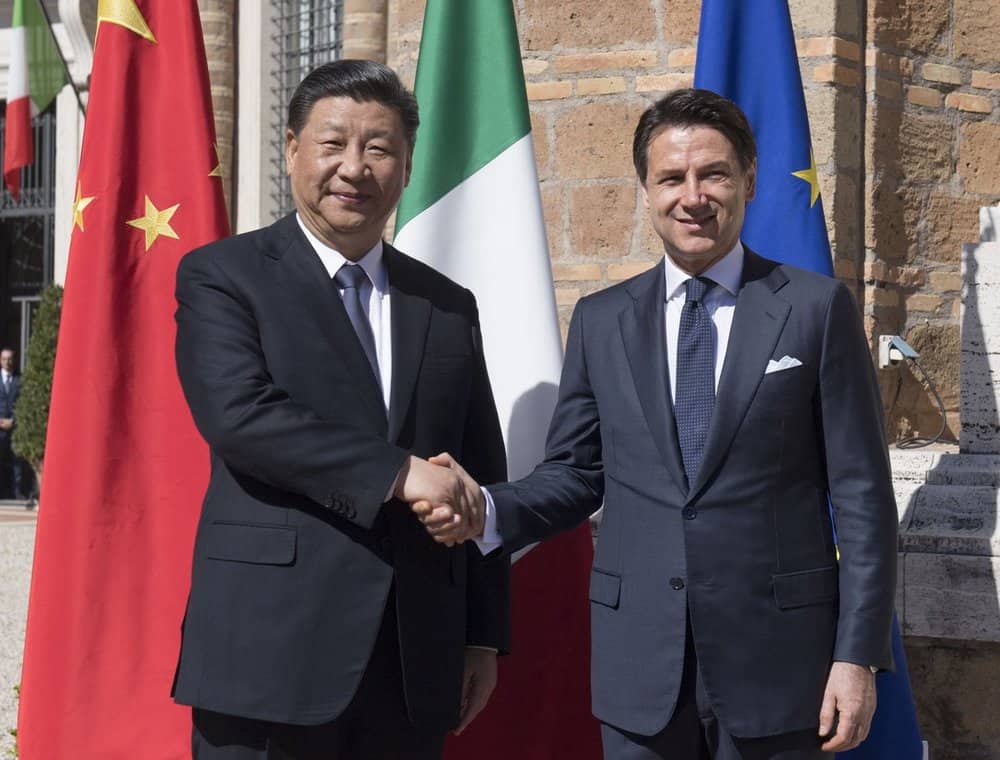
pixel 949 562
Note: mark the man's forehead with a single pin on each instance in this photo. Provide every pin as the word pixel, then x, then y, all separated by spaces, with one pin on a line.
pixel 686 134
pixel 339 112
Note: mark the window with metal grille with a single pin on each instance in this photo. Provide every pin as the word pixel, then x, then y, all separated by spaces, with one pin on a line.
pixel 306 34
pixel 27 228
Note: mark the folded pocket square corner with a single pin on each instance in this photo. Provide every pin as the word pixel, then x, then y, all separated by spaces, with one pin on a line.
pixel 785 362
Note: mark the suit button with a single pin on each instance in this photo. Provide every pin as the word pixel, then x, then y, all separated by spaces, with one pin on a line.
pixel 689 513
pixel 676 583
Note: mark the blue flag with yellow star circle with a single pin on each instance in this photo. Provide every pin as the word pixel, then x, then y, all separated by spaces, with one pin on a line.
pixel 746 51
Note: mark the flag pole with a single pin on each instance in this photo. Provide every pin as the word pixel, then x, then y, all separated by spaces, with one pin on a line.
pixel 69 76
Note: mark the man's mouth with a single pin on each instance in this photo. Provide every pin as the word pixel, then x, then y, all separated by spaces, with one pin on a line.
pixel 697 224
pixel 350 199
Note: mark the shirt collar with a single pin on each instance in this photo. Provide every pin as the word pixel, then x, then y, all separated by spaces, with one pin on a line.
pixel 727 272
pixel 333 260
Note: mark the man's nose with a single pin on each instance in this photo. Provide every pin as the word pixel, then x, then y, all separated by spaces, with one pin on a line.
pixel 352 164
pixel 693 195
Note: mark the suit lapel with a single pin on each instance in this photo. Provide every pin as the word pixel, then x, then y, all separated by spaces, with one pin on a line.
pixel 757 323
pixel 642 327
pixel 311 283
pixel 411 314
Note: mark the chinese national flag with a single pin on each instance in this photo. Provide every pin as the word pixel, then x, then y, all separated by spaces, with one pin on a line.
pixel 125 469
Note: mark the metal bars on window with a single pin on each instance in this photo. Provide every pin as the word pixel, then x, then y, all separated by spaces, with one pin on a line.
pixel 306 34
pixel 38 179
pixel 27 225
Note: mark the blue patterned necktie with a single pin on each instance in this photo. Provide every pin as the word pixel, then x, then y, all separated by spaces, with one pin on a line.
pixel 350 278
pixel 695 392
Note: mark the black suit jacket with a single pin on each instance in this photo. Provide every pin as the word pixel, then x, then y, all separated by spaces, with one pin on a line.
pixel 7 401
pixel 295 551
pixel 748 550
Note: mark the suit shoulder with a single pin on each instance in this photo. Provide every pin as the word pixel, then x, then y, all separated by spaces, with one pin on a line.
pixel 232 247
pixel 406 272
pixel 623 293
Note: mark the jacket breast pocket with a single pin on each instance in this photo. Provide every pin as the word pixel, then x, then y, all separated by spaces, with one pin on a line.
pixel 605 588
pixel 253 543
pixel 805 587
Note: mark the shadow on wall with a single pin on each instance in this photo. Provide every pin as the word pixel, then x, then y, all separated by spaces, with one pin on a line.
pixel 951 615
pixel 529 423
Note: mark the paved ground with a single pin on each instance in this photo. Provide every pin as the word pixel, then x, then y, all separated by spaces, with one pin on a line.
pixel 17 540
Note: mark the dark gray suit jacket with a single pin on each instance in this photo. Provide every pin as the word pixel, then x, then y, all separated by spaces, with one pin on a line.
pixel 7 401
pixel 748 551
pixel 295 551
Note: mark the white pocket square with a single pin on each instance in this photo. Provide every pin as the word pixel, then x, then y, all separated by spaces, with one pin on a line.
pixel 786 362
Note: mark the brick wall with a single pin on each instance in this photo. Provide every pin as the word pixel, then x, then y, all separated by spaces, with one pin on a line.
pixel 906 133
pixel 932 159
pixel 218 27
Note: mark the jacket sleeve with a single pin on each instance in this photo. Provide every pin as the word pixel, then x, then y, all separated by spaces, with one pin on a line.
pixel 489 596
pixel 860 485
pixel 251 423
pixel 566 488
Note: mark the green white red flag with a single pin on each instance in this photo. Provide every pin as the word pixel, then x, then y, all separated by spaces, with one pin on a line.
pixel 34 78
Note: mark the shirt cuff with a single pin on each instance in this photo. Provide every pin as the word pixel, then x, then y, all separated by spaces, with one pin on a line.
pixel 491 538
pixel 392 486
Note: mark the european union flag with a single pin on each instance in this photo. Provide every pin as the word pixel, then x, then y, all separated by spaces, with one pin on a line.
pixel 746 51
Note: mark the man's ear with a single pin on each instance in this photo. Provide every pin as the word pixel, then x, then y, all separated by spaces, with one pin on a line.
pixel 645 194
pixel 291 148
pixel 409 167
pixel 751 182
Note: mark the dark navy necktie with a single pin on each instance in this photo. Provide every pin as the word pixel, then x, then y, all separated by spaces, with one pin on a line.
pixel 350 278
pixel 695 392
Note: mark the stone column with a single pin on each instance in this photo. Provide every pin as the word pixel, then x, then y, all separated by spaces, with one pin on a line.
pixel 217 19
pixel 948 598
pixel 365 29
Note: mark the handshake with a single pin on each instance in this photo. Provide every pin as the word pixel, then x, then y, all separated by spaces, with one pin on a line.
pixel 444 497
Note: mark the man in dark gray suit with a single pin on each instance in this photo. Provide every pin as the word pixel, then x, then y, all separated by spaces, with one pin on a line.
pixel 11 485
pixel 714 404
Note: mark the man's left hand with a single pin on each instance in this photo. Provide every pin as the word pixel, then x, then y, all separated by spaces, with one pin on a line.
pixel 6 423
pixel 477 684
pixel 848 706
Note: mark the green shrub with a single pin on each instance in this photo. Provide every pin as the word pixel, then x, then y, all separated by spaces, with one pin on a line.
pixel 12 752
pixel 32 409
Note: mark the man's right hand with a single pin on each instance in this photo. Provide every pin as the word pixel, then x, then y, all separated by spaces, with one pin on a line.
pixel 6 423
pixel 447 501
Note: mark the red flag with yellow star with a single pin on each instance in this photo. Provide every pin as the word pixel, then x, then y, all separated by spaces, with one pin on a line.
pixel 124 468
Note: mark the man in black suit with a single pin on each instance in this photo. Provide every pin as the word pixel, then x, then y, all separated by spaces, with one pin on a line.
pixel 321 365
pixel 11 486
pixel 714 404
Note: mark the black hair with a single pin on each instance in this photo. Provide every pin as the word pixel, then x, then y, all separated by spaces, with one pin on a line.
pixel 362 81
pixel 694 108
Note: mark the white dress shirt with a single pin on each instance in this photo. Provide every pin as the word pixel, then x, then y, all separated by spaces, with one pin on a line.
pixel 374 299
pixel 720 302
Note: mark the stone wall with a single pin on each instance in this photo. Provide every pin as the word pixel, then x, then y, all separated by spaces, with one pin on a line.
pixel 903 105
pixel 218 21
pixel 932 141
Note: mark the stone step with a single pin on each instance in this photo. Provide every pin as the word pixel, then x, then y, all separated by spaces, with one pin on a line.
pixel 949 519
pixel 946 468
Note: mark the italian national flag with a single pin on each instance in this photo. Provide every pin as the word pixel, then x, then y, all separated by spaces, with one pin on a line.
pixel 35 76
pixel 473 211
